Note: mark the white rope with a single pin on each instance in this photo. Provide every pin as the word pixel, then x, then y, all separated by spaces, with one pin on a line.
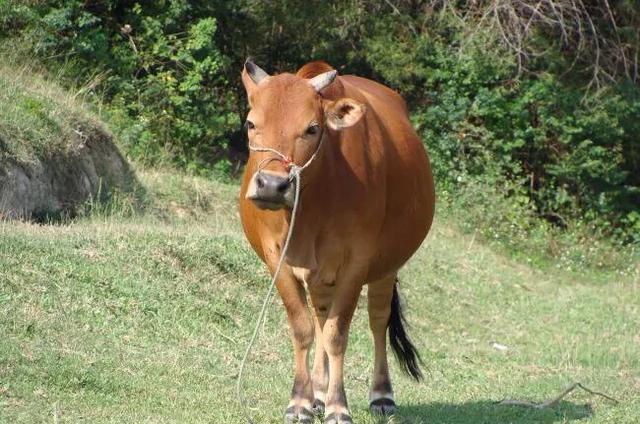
pixel 294 172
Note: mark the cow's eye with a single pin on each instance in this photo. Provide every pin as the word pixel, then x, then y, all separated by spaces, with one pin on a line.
pixel 248 125
pixel 313 129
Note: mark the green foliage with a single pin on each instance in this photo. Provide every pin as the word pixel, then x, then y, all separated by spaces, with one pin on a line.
pixel 573 158
pixel 178 104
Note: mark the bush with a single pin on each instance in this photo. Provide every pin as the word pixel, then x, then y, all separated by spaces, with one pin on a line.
pixel 571 154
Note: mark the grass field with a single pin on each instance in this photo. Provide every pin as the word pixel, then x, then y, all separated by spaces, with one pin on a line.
pixel 143 319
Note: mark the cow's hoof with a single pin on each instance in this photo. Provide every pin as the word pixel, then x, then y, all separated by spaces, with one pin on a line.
pixel 334 418
pixel 298 415
pixel 382 406
pixel 318 407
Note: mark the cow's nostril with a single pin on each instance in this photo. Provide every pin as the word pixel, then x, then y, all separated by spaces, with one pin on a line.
pixel 283 186
pixel 260 181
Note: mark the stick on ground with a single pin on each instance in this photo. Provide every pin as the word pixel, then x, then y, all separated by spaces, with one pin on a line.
pixel 554 401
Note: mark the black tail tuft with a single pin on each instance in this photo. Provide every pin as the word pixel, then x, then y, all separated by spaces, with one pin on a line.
pixel 405 351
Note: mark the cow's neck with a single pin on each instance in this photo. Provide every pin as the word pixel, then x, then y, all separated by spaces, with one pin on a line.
pixel 316 226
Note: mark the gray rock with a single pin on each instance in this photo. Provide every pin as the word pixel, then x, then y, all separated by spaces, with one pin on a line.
pixel 60 184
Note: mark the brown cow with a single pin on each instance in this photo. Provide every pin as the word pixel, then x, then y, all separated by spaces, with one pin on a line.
pixel 366 204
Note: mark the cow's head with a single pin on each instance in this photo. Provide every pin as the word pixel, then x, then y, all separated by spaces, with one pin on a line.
pixel 289 115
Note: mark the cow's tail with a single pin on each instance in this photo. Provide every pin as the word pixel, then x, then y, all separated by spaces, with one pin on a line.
pixel 406 353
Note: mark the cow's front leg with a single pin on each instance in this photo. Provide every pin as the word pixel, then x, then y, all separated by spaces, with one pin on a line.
pixel 335 333
pixel 321 299
pixel 301 329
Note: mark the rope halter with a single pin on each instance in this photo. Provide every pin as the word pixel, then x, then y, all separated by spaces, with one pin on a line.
pixel 287 162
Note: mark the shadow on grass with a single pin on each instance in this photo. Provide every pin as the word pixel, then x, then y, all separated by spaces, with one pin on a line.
pixel 488 412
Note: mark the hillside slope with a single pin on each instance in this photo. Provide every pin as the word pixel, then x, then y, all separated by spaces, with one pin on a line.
pixel 144 319
pixel 54 154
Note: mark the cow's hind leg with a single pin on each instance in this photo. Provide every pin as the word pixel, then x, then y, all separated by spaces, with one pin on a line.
pixel 301 330
pixel 380 294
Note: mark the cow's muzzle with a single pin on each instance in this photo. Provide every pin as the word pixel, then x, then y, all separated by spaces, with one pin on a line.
pixel 270 190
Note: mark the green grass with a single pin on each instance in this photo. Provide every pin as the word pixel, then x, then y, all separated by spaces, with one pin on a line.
pixel 138 318
pixel 38 118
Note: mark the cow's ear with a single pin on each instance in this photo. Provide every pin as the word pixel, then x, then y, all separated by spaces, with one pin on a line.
pixel 343 113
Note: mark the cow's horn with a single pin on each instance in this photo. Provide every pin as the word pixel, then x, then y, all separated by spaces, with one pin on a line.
pixel 321 81
pixel 256 73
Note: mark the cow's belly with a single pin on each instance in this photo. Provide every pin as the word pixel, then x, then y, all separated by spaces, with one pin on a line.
pixel 406 224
